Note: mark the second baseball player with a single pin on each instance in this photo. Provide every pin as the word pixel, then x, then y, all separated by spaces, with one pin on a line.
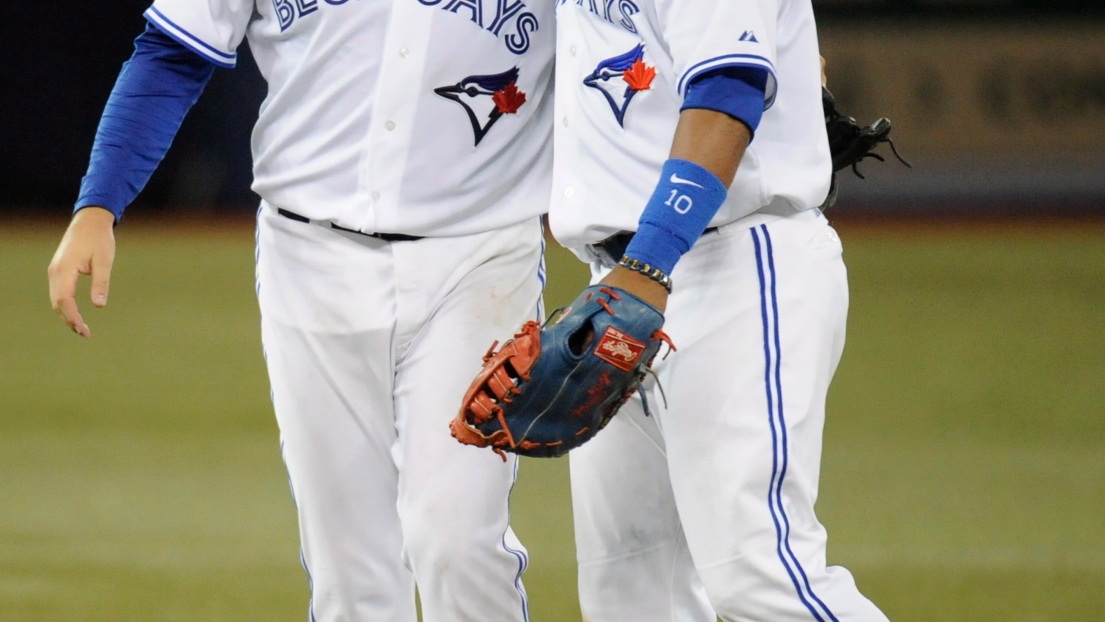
pixel 706 113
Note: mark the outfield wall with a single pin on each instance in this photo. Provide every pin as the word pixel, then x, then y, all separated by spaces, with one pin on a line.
pixel 988 113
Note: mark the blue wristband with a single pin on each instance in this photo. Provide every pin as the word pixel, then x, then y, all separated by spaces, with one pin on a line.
pixel 686 199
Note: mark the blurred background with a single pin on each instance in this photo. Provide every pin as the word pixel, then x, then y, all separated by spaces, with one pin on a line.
pixel 964 460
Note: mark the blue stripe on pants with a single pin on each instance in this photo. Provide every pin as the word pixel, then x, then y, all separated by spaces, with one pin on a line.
pixel 772 368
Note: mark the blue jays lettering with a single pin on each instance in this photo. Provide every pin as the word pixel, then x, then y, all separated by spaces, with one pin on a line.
pixel 618 12
pixel 506 19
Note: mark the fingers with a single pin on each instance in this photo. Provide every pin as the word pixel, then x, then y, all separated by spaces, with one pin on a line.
pixel 67 309
pixel 101 278
pixel 63 288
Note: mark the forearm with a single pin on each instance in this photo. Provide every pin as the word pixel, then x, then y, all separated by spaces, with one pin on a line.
pixel 152 95
pixel 713 140
pixel 719 115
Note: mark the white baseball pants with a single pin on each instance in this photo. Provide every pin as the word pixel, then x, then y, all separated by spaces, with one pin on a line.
pixel 370 347
pixel 708 505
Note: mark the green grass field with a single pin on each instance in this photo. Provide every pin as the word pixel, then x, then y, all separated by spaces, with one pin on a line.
pixel 964 465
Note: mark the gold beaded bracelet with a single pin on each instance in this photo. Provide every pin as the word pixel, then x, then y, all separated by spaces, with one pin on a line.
pixel 651 272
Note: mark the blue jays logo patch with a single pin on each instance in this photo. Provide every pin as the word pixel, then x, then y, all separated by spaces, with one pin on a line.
pixel 632 71
pixel 497 94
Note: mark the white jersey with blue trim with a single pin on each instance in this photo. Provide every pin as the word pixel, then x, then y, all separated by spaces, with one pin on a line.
pixel 365 97
pixel 622 72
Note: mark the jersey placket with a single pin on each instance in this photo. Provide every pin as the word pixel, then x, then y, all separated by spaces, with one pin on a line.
pixel 568 187
pixel 398 92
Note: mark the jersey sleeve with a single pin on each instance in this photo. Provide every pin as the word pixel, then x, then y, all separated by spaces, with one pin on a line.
pixel 706 35
pixel 211 28
pixel 735 91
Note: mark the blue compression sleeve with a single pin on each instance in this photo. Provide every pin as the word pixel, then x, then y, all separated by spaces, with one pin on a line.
pixel 155 90
pixel 735 91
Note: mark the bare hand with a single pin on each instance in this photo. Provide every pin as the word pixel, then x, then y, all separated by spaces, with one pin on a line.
pixel 639 285
pixel 88 247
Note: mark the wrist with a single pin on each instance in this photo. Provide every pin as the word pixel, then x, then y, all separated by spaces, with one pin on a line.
pixel 94 215
pixel 682 206
pixel 639 285
pixel 647 270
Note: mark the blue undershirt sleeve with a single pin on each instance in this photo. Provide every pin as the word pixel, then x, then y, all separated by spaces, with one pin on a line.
pixel 155 90
pixel 735 91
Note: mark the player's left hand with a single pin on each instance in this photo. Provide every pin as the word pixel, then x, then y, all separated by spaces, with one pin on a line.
pixel 639 285
pixel 552 388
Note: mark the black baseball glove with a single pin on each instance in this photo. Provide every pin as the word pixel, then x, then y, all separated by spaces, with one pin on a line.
pixel 851 144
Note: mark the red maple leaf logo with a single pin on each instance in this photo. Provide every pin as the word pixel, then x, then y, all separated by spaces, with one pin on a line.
pixel 509 99
pixel 639 77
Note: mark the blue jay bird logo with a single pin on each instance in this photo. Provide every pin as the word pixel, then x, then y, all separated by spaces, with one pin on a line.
pixel 628 68
pixel 498 94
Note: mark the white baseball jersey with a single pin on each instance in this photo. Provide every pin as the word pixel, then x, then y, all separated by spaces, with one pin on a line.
pixel 622 71
pixel 368 97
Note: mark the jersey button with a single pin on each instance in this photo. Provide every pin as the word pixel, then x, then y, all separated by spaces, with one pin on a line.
pixel 375 196
pixel 389 126
pixel 569 191
pixel 572 50
pixel 404 52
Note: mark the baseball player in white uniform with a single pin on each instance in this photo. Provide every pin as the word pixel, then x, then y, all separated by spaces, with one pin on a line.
pixel 706 114
pixel 403 156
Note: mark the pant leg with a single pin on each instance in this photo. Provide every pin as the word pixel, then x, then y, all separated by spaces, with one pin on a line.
pixel 453 498
pixel 327 339
pixel 759 317
pixel 633 558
